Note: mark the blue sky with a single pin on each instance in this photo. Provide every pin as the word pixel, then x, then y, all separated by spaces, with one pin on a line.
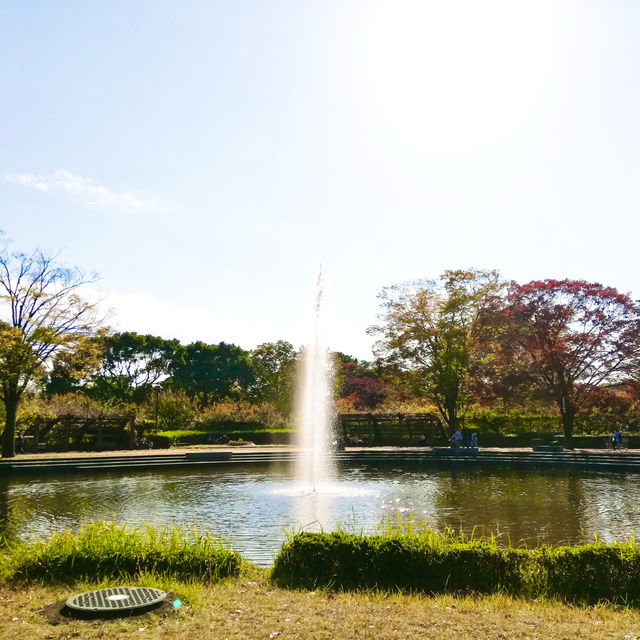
pixel 205 157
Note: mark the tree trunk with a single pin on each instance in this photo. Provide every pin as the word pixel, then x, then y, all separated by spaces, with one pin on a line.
pixel 9 434
pixel 568 414
pixel 452 413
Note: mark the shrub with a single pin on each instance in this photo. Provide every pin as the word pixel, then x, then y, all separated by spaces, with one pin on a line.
pixel 406 562
pixel 509 421
pixel 167 439
pixel 105 550
pixel 431 562
pixel 161 440
pixel 240 412
pixel 590 573
pixel 176 410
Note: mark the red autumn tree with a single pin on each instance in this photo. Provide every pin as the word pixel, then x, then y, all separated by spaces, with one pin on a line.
pixel 363 388
pixel 567 338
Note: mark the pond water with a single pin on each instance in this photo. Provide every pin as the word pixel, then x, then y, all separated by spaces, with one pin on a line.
pixel 253 505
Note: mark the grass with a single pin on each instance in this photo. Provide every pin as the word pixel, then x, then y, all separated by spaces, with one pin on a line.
pixel 104 550
pixel 247 603
pixel 249 606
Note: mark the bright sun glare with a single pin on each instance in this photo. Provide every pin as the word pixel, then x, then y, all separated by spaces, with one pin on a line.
pixel 454 75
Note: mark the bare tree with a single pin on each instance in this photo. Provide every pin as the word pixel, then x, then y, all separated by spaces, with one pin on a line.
pixel 40 315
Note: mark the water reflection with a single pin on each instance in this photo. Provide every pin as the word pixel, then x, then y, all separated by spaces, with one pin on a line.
pixel 253 505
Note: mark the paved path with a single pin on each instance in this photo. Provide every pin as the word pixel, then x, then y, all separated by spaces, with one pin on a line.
pixel 592 459
pixel 275 448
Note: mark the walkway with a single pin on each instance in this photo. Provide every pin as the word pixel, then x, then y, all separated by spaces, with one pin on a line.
pixel 424 456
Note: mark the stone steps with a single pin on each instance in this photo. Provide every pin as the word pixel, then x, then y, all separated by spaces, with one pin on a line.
pixel 604 461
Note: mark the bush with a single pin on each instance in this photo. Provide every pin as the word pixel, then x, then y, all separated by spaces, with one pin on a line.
pixel 166 439
pixel 176 410
pixel 590 573
pixel 435 563
pixel 104 550
pixel 161 440
pixel 509 421
pixel 406 562
pixel 494 420
pixel 240 412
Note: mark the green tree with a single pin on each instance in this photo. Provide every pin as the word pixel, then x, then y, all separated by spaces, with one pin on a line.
pixel 426 332
pixel 274 368
pixel 211 371
pixel 40 315
pixel 70 370
pixel 130 366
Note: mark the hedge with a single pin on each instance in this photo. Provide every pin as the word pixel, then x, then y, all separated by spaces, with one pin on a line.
pixel 429 563
pixel 413 563
pixel 166 439
pixel 590 573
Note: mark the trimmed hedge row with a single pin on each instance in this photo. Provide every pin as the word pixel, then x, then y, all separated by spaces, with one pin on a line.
pixel 164 440
pixel 345 561
pixel 428 563
pixel 589 573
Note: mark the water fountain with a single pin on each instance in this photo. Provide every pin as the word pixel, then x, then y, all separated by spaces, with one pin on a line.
pixel 251 506
pixel 314 401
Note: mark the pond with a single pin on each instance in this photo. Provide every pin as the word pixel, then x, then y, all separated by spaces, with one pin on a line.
pixel 253 505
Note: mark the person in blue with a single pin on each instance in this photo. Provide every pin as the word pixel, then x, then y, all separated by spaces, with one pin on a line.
pixel 456 438
pixel 616 441
pixel 20 442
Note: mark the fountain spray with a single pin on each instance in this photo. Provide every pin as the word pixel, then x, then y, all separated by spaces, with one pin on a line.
pixel 314 400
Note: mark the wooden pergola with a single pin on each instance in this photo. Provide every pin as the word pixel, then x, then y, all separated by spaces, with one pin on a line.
pixel 376 427
pixel 66 432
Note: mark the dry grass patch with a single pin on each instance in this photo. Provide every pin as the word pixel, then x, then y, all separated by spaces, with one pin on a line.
pixel 250 607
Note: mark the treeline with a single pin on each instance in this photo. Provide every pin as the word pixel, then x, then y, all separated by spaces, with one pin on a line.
pixel 471 339
pixel 467 347
pixel 128 369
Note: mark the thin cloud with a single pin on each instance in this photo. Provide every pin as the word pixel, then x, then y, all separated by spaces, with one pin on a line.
pixel 85 190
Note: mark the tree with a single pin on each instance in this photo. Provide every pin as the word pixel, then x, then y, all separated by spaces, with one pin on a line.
pixel 40 315
pixel 130 366
pixel 566 338
pixel 274 368
pixel 70 370
pixel 357 382
pixel 426 332
pixel 211 370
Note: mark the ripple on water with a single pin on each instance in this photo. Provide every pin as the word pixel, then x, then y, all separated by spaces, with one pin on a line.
pixel 332 489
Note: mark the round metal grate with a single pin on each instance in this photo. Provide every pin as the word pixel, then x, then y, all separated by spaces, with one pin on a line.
pixel 116 599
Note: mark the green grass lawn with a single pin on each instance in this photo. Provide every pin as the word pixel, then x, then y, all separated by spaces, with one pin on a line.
pixel 249 606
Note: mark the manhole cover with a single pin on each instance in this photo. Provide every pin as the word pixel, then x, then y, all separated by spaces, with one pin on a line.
pixel 116 599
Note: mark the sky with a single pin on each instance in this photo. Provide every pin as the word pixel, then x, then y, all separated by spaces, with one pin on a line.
pixel 206 157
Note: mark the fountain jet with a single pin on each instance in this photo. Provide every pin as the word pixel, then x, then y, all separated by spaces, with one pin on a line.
pixel 314 401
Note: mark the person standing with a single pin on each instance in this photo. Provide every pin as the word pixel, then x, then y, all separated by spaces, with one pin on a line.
pixel 616 441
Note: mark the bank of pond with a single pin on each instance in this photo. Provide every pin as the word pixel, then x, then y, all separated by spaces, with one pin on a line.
pixel 403 558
